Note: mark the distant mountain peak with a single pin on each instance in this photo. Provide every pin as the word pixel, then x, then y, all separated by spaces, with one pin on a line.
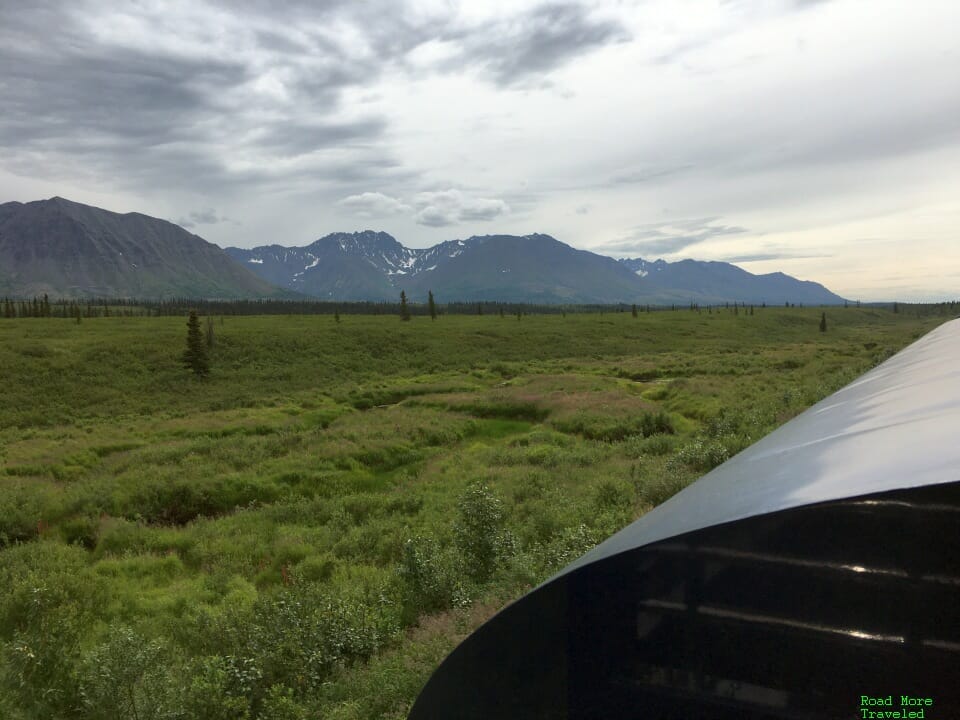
pixel 65 248
pixel 723 282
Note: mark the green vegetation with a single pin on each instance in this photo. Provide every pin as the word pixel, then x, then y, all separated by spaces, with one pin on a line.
pixel 311 529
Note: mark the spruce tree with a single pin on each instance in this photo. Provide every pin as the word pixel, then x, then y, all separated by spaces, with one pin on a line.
pixel 634 310
pixel 432 304
pixel 209 332
pixel 336 316
pixel 404 310
pixel 195 356
pixel 823 322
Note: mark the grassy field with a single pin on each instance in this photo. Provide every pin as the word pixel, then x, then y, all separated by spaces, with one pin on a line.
pixel 307 532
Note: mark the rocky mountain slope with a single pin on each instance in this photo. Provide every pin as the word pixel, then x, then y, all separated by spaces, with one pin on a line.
pixel 68 249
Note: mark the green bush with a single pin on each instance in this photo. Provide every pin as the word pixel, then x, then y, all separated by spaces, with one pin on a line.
pixel 50 600
pixel 479 531
pixel 702 454
pixel 600 427
pixel 664 486
pixel 83 530
pixel 123 677
pixel 612 495
pixel 432 579
pixel 220 687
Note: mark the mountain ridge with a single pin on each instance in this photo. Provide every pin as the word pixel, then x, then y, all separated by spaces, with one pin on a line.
pixel 69 249
pixel 487 267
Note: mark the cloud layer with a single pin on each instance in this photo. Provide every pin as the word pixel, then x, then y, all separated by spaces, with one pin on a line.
pixel 670 238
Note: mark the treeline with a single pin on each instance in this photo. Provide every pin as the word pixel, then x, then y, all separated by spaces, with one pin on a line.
pixel 181 306
pixel 43 306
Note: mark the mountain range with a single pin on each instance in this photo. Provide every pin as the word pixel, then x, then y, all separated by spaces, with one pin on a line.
pixel 68 249
pixel 530 268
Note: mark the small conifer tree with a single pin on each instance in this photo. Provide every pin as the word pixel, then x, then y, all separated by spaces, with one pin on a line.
pixel 210 338
pixel 634 310
pixel 195 357
pixel 432 305
pixel 404 310
pixel 336 316
pixel 823 322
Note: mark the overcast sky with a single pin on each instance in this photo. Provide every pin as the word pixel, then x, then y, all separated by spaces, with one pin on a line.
pixel 819 138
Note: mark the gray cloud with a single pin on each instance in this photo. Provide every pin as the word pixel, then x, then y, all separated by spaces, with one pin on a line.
pixel 449 207
pixel 759 257
pixel 373 204
pixel 180 108
pixel 299 138
pixel 208 216
pixel 754 8
pixel 78 103
pixel 518 49
pixel 668 238
pixel 648 174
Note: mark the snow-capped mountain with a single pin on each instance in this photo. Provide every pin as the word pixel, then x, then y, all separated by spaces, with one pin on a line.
pixel 347 266
pixel 530 268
